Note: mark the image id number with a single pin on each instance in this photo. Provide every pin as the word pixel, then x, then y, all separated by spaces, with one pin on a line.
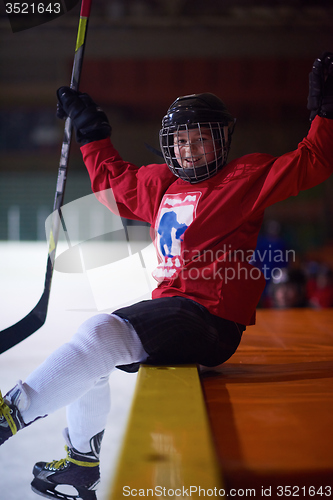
pixel 33 8
pixel 302 491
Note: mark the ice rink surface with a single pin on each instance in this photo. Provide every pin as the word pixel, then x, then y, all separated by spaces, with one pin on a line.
pixel 74 298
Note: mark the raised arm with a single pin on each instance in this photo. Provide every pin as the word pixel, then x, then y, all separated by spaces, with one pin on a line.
pixel 136 192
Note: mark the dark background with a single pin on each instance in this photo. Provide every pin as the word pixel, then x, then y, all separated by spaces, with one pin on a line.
pixel 140 56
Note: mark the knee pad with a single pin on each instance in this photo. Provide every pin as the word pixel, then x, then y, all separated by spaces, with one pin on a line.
pixel 108 339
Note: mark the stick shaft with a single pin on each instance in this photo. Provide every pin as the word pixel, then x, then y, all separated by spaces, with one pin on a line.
pixel 64 156
pixel 37 316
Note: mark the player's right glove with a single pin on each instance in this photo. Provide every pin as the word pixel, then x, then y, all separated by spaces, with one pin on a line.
pixel 89 120
pixel 320 99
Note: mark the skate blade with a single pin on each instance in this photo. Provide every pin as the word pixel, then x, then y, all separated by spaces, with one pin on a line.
pixel 54 494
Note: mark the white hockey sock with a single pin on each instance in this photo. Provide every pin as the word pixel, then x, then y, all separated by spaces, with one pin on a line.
pixel 87 415
pixel 76 375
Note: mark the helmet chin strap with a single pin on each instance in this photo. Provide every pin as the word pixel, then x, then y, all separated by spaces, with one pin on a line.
pixel 198 174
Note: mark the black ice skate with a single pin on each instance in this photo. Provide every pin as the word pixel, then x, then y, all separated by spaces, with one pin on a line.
pixel 78 472
pixel 11 420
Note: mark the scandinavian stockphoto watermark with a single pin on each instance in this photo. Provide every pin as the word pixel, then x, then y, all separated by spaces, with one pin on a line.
pixel 226 264
pixel 23 15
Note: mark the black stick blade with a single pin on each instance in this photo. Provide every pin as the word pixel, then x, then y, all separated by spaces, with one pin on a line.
pixel 26 326
pixel 31 322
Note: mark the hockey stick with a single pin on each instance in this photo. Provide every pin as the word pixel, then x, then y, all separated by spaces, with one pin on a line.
pixel 36 318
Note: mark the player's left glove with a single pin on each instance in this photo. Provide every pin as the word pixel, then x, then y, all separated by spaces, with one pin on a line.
pixel 320 99
pixel 89 120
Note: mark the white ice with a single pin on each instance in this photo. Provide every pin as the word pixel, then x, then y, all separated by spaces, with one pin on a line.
pixel 22 270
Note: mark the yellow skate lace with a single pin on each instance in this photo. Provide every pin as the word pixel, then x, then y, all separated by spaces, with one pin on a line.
pixel 60 464
pixel 5 411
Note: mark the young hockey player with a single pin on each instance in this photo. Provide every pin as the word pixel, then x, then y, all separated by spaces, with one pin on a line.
pixel 206 215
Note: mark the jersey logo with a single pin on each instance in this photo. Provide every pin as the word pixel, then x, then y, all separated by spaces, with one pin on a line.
pixel 176 213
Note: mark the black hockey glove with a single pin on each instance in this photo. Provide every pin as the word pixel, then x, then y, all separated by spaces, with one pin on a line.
pixel 89 121
pixel 320 99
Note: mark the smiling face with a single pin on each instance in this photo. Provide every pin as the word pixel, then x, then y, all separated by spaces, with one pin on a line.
pixel 195 147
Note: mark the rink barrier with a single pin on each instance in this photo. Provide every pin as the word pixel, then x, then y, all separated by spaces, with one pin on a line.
pixel 167 450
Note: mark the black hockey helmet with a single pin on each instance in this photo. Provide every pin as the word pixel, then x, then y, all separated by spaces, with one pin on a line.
pixel 201 112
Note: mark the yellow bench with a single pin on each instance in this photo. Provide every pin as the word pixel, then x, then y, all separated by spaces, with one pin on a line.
pixel 167 450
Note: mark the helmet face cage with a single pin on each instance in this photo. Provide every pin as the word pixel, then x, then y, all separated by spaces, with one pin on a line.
pixel 197 151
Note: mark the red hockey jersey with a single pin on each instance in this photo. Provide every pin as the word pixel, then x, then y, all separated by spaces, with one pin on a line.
pixel 205 234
